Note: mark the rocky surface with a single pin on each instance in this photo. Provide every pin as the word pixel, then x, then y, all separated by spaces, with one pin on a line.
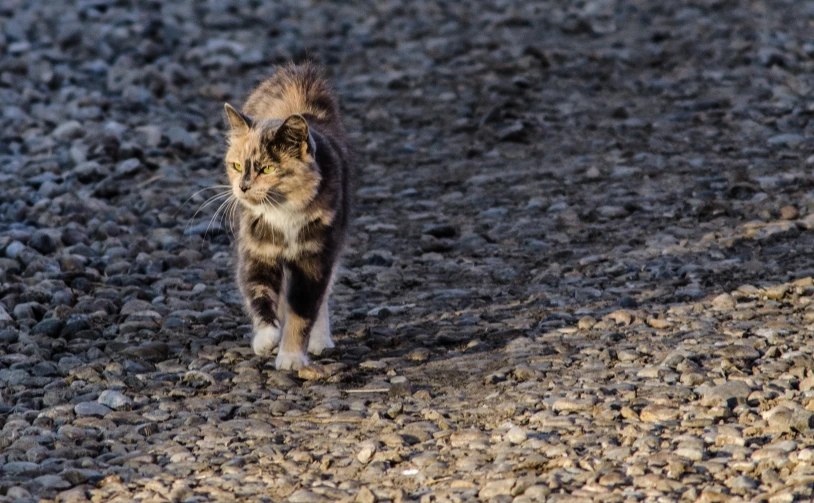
pixel 581 268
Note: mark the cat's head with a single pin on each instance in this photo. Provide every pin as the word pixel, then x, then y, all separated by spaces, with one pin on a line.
pixel 270 162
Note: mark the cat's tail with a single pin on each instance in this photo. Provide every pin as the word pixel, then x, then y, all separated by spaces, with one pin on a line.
pixel 294 89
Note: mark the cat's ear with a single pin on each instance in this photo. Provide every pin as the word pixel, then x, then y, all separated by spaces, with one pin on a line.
pixel 294 134
pixel 239 122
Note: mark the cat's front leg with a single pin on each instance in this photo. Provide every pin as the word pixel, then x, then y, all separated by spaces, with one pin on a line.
pixel 307 288
pixel 260 284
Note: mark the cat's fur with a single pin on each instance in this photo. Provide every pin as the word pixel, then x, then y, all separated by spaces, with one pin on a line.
pixel 292 221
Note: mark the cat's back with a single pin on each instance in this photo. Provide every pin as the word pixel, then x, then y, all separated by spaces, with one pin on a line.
pixel 295 89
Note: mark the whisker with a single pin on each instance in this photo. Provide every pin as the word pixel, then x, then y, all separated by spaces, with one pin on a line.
pixel 222 205
pixel 207 203
pixel 233 216
pixel 213 187
pixel 226 214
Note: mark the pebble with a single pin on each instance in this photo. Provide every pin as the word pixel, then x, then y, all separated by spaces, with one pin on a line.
pixel 516 435
pixel 723 302
pixel 91 409
pixel 728 394
pixel 365 495
pixel 538 300
pixel 789 213
pixel 782 419
pixel 115 400
pixel 496 488
pixel 657 413
pixel 366 453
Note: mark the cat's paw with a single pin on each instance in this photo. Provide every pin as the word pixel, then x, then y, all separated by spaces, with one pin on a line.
pixel 265 339
pixel 291 360
pixel 319 342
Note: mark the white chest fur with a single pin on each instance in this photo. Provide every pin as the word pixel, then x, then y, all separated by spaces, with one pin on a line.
pixel 286 221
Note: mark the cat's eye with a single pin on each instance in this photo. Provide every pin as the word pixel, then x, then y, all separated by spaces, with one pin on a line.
pixel 268 169
pixel 237 166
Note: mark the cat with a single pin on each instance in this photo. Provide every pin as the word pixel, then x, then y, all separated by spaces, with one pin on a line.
pixel 290 169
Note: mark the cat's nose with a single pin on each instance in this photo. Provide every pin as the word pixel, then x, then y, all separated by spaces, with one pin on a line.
pixel 244 187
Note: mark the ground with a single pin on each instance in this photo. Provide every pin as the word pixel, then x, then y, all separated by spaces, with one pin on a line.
pixel 581 268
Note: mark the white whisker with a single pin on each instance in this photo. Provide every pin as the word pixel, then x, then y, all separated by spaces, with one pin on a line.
pixel 213 187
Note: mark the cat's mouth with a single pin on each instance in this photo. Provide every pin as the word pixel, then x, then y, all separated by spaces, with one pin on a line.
pixel 270 198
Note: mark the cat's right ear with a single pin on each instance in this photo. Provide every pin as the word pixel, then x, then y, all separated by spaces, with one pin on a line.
pixel 240 123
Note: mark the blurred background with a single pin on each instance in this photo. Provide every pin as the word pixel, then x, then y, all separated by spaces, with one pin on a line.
pixel 525 166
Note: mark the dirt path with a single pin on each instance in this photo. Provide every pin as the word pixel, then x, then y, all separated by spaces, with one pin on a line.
pixel 580 271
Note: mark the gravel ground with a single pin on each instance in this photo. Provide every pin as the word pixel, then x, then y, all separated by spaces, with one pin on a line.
pixel 581 268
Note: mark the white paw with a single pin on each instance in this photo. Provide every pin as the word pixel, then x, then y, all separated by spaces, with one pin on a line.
pixel 319 342
pixel 265 339
pixel 291 361
pixel 320 338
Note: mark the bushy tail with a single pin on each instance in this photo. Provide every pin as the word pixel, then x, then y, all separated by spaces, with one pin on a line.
pixel 294 89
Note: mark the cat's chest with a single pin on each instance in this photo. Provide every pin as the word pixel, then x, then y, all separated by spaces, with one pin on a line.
pixel 276 232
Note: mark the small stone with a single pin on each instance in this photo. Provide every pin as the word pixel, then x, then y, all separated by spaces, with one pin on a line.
pixel 612 212
pixel 572 404
pixel 365 495
pixel 659 323
pixel 303 496
pixel 51 482
pixel 586 323
pixel 91 409
pixel 49 327
pixel 69 130
pixel 135 306
pixel 807 384
pixel 655 413
pixel 515 132
pixel 400 386
pixel 729 435
pixel 128 167
pixel 496 488
pixel 741 484
pixel 691 453
pixel 728 394
pixel 43 243
pixel 373 365
pixel 313 372
pixel 776 292
pixel 180 137
pixel 418 355
pixel 787 139
pixel 115 400
pixel 14 249
pixel 723 302
pixel 366 453
pixel 21 468
pixel 786 496
pixel 739 352
pixel 782 419
pixel 516 435
pixel 621 317
pixel 789 213
pixel 464 438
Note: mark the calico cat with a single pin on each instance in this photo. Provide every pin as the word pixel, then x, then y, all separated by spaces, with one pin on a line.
pixel 290 169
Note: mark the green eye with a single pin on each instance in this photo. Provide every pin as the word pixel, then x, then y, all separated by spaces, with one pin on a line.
pixel 268 169
pixel 237 167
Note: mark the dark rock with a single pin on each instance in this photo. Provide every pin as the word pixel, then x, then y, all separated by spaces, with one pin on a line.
pixel 43 243
pixel 515 132
pixel 50 327
pixel 75 324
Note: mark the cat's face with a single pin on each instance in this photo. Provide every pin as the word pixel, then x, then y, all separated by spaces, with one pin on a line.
pixel 270 162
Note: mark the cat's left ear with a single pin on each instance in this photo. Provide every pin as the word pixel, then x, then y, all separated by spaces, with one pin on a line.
pixel 239 122
pixel 294 133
